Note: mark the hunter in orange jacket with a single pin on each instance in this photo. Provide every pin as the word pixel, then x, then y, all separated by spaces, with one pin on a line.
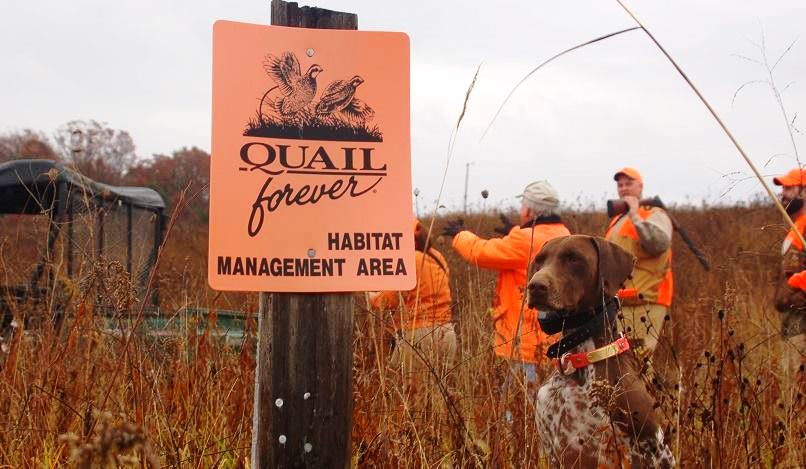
pixel 511 256
pixel 429 303
pixel 425 339
pixel 790 295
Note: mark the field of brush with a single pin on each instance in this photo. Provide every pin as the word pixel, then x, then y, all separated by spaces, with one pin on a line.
pixel 88 397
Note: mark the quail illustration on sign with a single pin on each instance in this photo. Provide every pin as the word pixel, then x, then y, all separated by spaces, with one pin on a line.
pixel 310 155
pixel 288 109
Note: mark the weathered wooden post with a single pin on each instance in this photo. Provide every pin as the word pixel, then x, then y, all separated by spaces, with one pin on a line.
pixel 303 389
pixel 304 378
pixel 310 193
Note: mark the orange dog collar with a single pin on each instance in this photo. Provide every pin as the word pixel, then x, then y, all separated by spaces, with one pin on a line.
pixel 570 362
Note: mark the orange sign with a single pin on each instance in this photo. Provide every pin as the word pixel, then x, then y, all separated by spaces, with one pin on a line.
pixel 310 184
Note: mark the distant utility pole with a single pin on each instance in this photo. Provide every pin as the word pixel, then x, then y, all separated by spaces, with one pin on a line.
pixel 467 179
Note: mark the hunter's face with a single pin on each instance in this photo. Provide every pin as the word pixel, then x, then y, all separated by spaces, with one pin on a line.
pixel 628 186
pixel 790 193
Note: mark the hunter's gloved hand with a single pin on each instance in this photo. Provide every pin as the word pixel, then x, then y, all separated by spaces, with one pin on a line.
pixel 453 227
pixel 506 225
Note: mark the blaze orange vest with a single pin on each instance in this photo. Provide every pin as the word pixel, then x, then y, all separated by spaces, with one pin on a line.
pixel 651 280
pixel 429 304
pixel 792 250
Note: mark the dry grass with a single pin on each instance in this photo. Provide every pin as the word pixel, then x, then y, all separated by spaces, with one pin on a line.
pixel 186 401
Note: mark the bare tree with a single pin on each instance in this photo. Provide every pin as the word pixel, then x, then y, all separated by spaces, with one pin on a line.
pixel 96 150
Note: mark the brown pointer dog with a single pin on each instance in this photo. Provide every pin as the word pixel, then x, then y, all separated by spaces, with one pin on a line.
pixel 595 399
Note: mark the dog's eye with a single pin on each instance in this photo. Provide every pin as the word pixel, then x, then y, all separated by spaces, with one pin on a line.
pixel 572 257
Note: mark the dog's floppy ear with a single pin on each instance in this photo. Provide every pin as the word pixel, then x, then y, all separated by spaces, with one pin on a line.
pixel 615 265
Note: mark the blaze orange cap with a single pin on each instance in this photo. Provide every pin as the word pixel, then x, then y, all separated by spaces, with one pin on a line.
pixel 631 173
pixel 796 177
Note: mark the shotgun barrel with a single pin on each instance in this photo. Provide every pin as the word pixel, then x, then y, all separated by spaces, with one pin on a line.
pixel 617 207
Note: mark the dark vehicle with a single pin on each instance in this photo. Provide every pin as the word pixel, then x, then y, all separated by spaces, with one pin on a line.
pixel 57 227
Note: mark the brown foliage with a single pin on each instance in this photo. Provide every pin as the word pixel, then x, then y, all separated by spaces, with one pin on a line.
pixel 170 175
pixel 188 398
pixel 25 144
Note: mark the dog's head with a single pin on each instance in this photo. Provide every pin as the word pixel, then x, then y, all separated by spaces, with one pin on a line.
pixel 572 273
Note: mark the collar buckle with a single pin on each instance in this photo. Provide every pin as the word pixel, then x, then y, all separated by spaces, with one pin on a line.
pixel 565 365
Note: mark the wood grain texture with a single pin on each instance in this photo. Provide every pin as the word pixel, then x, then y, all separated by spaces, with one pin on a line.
pixel 303 378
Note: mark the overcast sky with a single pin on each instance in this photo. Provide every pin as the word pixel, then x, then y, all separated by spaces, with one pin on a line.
pixel 145 66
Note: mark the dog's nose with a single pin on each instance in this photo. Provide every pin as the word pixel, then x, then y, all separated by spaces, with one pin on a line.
pixel 538 291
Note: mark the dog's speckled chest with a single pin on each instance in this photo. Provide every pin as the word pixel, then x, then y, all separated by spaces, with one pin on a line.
pixel 571 419
pixel 568 417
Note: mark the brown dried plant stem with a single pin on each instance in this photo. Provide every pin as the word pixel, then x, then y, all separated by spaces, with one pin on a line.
pixel 766 186
pixel 180 205
pixel 543 64
pixel 451 143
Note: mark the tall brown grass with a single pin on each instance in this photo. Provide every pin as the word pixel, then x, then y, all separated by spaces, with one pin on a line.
pixel 186 400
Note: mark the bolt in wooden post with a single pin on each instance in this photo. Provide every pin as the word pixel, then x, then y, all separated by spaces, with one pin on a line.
pixel 302 415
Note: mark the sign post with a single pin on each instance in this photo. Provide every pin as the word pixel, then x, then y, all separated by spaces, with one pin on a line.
pixel 310 193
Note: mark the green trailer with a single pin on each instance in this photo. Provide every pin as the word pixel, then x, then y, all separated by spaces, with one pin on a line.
pixel 229 327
